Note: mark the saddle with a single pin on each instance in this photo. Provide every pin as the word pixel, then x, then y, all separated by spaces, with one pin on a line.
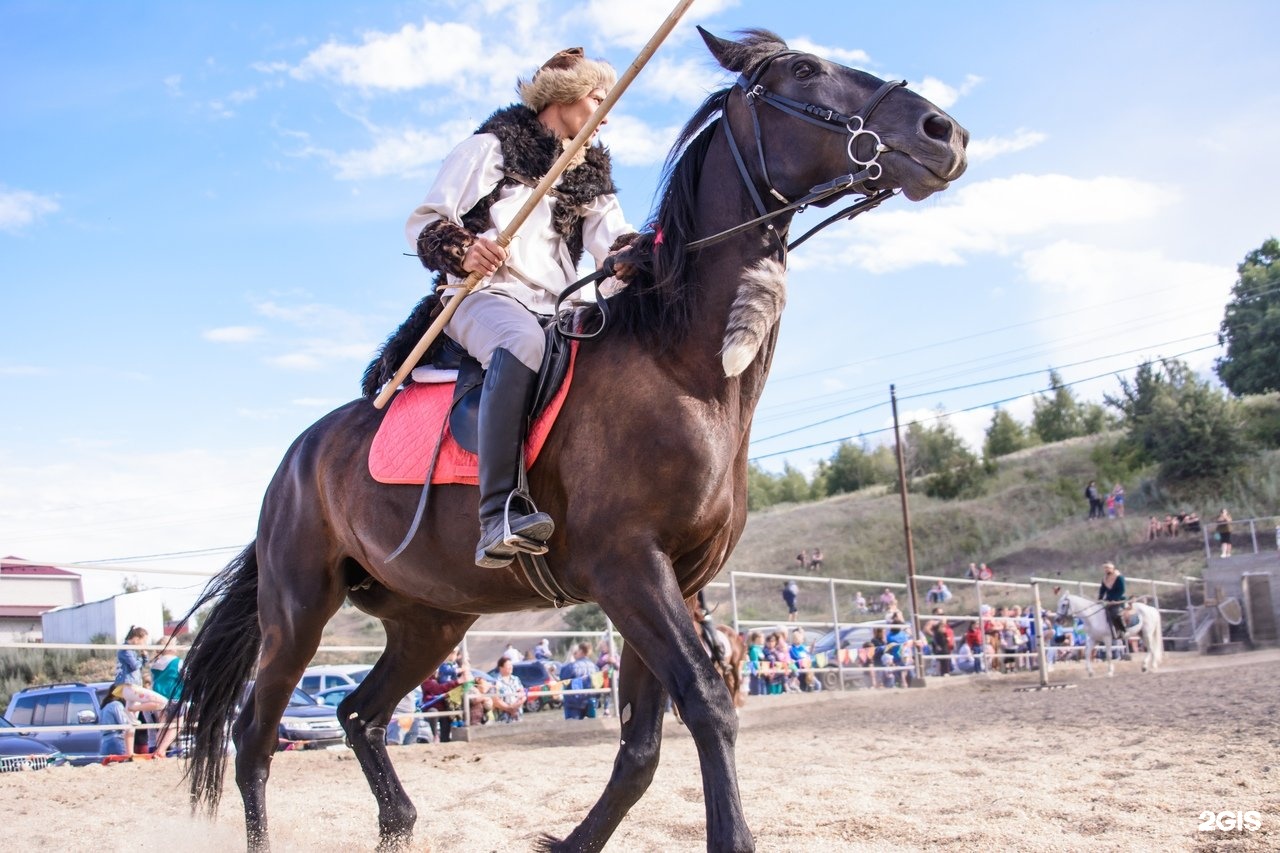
pixel 429 430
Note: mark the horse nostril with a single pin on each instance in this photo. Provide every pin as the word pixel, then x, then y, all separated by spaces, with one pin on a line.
pixel 938 126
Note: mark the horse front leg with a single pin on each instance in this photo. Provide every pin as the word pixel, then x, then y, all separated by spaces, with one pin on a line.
pixel 641 705
pixel 1088 655
pixel 416 641
pixel 649 610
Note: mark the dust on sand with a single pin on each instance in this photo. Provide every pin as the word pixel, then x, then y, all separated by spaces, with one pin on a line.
pixel 1126 763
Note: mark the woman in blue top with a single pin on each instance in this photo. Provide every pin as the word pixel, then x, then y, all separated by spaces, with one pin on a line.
pixel 116 741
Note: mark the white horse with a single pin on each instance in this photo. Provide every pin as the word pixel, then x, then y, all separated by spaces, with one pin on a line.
pixel 1097 629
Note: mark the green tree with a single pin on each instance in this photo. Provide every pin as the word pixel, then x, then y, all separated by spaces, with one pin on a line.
pixel 850 468
pixel 1057 417
pixel 584 617
pixel 1005 435
pixel 933 449
pixel 1250 327
pixel 1172 417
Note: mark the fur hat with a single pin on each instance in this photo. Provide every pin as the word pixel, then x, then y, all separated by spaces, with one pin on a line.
pixel 564 78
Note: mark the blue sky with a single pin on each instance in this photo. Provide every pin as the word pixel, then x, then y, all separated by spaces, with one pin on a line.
pixel 201 209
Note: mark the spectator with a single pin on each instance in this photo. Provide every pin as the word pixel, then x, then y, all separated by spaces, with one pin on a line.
pixel 166 679
pixel 815 560
pixel 129 673
pixel 860 602
pixel 984 572
pixel 479 700
pixel 973 643
pixel 509 695
pixel 1110 502
pixel 1154 529
pixel 965 660
pixel 1118 494
pixel 778 660
pixel 129 662
pixel 1095 500
pixel 1223 531
pixel 512 654
pixel 403 726
pixel 888 601
pixel 944 645
pixel 577 675
pixel 866 660
pixel 436 697
pixel 789 591
pixel 757 685
pixel 801 660
pixel 972 572
pixel 542 651
pixel 802 560
pixel 938 593
pixel 116 741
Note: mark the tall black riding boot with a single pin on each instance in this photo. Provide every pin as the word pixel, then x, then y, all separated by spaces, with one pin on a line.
pixel 506 526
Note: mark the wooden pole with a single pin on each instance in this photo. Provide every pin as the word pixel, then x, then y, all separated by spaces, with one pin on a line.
pixel 508 233
pixel 911 553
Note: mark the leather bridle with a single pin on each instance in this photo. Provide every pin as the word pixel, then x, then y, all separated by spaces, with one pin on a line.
pixel 827 118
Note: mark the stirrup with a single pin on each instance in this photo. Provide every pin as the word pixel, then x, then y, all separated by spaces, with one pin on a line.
pixel 532 537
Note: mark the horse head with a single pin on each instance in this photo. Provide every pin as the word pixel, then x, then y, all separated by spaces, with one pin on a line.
pixel 1064 607
pixel 890 136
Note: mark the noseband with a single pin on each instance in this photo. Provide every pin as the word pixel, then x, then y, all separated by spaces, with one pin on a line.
pixel 827 118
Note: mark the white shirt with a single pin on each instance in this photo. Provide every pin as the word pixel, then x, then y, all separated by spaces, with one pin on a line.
pixel 538 265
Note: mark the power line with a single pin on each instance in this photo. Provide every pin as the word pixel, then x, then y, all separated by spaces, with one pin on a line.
pixel 961 411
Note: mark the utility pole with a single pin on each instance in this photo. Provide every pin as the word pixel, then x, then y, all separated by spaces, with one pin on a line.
pixel 916 658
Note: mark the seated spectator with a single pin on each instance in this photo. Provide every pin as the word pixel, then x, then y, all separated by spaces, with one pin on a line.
pixel 756 683
pixel 943 641
pixel 403 726
pixel 888 601
pixel 938 593
pixel 512 654
pixel 116 741
pixel 1192 523
pixel 778 657
pixel 815 560
pixel 801 661
pixel 509 697
pixel 859 602
pixel 973 644
pixel 1154 529
pixel 480 700
pixel 971 573
pixel 984 572
pixel 436 692
pixel 542 651
pixel 965 660
pixel 577 675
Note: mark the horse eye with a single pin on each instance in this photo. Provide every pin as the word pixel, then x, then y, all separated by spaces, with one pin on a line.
pixel 803 70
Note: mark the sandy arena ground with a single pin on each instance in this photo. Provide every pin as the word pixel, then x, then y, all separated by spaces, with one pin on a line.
pixel 1128 763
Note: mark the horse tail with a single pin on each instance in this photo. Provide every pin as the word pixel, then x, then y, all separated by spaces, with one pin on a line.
pixel 220 661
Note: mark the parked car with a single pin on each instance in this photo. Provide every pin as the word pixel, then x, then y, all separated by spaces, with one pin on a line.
pixel 306 724
pixel 324 676
pixel 333 696
pixel 74 705
pixel 22 752
pixel 542 689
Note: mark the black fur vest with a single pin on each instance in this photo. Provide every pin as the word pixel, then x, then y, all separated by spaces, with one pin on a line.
pixel 528 152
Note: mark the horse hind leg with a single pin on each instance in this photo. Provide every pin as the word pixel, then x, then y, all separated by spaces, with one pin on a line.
pixel 291 626
pixel 641 705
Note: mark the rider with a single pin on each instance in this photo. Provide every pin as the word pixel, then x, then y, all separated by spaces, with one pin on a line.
pixel 481 185
pixel 1112 590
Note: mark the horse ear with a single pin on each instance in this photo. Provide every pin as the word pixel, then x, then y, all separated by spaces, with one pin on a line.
pixel 729 54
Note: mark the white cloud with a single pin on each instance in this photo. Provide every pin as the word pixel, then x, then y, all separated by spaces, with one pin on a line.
pixel 633 27
pixel 991 217
pixel 1149 298
pixel 980 150
pixel 403 153
pixel 686 81
pixel 233 334
pixel 20 208
pixel 942 94
pixel 633 142
pixel 855 58
pixel 413 57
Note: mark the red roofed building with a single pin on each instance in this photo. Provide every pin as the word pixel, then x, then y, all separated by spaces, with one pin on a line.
pixel 29 591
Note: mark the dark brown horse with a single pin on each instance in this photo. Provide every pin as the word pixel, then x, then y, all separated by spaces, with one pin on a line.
pixel 645 473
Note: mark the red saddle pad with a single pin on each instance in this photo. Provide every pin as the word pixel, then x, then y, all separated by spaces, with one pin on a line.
pixel 406 441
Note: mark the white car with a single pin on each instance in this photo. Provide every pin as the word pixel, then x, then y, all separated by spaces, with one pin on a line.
pixel 324 676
